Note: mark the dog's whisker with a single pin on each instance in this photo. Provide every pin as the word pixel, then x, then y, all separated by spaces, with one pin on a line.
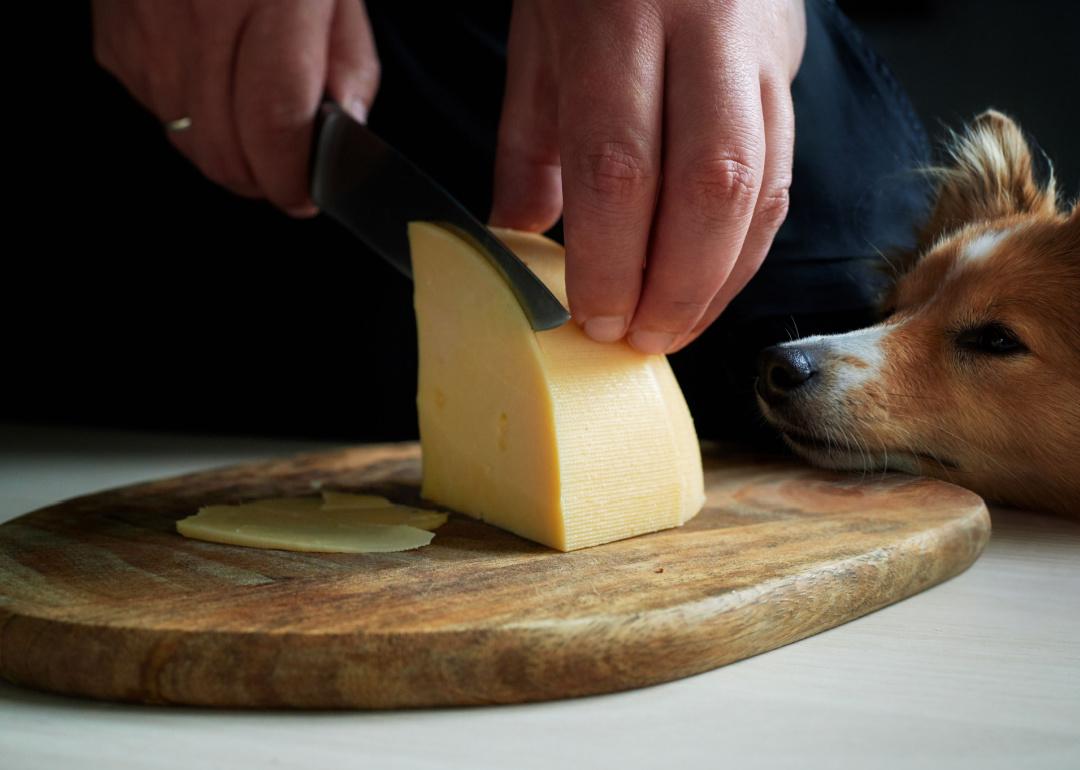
pixel 864 459
pixel 967 444
pixel 884 258
pixel 831 442
pixel 885 453
pixel 1001 466
pixel 871 466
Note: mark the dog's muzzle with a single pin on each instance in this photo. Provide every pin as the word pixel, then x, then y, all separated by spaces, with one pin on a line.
pixel 784 371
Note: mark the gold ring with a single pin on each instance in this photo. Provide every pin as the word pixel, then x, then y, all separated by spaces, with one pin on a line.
pixel 178 125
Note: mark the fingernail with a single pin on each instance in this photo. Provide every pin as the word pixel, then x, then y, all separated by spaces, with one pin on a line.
pixel 358 110
pixel 606 328
pixel 651 342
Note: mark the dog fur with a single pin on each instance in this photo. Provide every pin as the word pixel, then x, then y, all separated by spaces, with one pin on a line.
pixel 974 375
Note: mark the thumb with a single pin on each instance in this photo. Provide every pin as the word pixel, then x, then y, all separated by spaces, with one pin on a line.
pixel 528 176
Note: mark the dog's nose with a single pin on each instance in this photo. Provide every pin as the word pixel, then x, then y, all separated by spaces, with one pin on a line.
pixel 783 369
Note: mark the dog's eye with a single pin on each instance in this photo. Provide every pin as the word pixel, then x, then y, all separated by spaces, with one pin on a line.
pixel 993 339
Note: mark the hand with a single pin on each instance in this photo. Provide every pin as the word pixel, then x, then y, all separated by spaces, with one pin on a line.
pixel 663 131
pixel 250 75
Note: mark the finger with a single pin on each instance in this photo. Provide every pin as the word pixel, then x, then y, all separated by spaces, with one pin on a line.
pixel 279 76
pixel 610 104
pixel 772 202
pixel 147 56
pixel 352 70
pixel 713 160
pixel 528 175
pixel 213 139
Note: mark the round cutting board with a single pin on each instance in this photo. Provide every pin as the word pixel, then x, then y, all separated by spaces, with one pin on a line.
pixel 100 596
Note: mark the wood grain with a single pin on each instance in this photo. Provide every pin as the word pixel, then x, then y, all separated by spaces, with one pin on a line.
pixel 100 597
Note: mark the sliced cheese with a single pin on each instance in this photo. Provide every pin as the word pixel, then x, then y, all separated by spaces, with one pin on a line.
pixel 301 524
pixel 331 500
pixel 296 505
pixel 378 510
pixel 549 435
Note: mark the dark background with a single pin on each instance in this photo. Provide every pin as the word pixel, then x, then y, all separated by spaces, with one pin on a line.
pixel 136 294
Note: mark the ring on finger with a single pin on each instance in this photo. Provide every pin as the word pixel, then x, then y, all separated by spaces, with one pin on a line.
pixel 178 125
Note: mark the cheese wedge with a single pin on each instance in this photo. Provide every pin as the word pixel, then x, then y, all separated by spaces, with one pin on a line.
pixel 550 435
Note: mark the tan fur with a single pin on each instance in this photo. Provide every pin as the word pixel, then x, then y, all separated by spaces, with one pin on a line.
pixel 990 177
pixel 1007 427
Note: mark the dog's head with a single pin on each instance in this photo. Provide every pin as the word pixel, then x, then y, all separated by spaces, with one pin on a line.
pixel 974 376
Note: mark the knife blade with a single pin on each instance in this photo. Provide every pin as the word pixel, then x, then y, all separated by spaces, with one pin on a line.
pixel 374 191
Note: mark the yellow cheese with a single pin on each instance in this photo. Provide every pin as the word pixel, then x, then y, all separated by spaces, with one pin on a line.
pixel 332 500
pixel 300 506
pixel 304 524
pixel 550 435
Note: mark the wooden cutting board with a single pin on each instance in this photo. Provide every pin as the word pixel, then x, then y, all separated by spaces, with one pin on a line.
pixel 99 596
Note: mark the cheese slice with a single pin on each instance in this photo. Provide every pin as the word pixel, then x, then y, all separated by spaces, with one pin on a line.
pixel 303 524
pixel 550 435
pixel 332 500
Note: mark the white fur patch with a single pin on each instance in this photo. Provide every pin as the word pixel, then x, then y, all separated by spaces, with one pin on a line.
pixel 863 345
pixel 982 247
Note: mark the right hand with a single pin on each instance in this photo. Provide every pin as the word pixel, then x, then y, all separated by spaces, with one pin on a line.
pixel 250 74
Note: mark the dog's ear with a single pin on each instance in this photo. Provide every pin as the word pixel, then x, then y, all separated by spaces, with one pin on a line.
pixel 991 173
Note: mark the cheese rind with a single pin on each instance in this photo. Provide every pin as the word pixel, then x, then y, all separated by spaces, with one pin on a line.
pixel 550 435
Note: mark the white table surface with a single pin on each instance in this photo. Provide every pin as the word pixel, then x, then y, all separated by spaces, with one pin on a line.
pixel 980 672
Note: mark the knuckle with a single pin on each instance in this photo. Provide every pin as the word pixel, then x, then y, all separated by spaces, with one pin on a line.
pixel 689 307
pixel 360 75
pixel 285 111
pixel 722 188
pixel 286 104
pixel 683 309
pixel 614 169
pixel 773 206
pixel 369 74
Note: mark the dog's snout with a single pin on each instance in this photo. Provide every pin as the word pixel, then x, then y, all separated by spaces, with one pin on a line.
pixel 783 369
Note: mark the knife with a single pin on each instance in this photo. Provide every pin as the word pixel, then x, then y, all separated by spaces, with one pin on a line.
pixel 368 186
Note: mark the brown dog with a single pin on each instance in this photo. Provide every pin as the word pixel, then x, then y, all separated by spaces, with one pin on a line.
pixel 974 375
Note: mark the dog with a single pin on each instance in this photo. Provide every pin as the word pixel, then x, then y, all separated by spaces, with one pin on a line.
pixel 973 376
